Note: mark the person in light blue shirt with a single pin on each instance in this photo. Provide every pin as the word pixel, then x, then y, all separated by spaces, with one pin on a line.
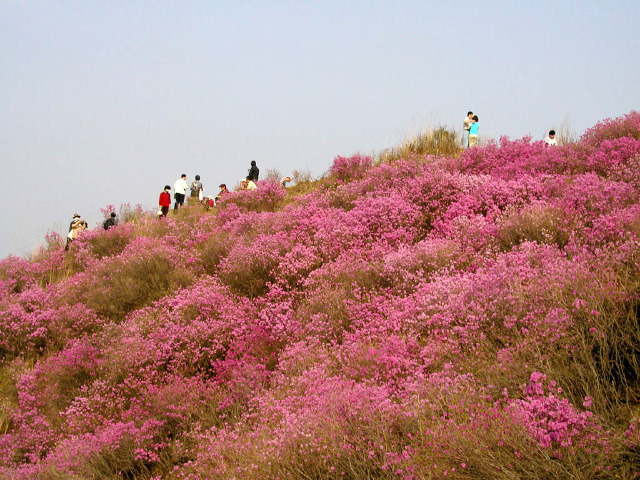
pixel 473 132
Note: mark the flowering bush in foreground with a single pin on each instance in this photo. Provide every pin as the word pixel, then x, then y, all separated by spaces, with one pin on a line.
pixel 465 317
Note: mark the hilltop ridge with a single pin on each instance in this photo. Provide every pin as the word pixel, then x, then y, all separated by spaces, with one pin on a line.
pixel 472 315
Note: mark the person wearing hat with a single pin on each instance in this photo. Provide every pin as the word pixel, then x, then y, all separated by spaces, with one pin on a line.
pixel 76 226
pixel 165 201
pixel 223 191
pixel 75 218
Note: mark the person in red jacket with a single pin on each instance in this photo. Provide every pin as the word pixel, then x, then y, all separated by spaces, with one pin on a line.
pixel 165 200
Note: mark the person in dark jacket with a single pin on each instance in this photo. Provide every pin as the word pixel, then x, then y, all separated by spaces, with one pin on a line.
pixel 112 221
pixel 253 171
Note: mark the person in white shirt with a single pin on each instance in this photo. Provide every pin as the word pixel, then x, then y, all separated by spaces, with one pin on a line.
pixel 284 181
pixel 180 189
pixel 251 185
pixel 551 139
pixel 465 129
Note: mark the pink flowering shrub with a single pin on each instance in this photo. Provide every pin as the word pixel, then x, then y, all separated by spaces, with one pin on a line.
pixel 381 323
pixel 265 198
pixel 613 129
pixel 551 420
pixel 110 242
pixel 347 169
pixel 14 275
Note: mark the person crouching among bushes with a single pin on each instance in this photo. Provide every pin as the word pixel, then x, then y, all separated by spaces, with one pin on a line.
pixel 251 185
pixel 112 221
pixel 284 181
pixel 223 191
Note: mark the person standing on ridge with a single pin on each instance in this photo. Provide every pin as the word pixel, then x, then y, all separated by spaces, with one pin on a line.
pixel 254 172
pixel 468 120
pixel 473 132
pixel 180 190
pixel 165 200
pixel 196 190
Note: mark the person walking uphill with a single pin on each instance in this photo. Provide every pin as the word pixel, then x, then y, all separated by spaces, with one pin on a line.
pixel 165 200
pixel 180 190
pixel 196 190
pixel 254 171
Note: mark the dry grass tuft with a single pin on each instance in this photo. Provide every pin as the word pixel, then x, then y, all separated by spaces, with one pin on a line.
pixel 440 141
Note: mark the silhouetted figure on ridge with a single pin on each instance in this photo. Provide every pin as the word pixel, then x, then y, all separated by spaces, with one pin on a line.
pixel 254 172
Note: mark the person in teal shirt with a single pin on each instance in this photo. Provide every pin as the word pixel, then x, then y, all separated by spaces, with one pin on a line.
pixel 473 132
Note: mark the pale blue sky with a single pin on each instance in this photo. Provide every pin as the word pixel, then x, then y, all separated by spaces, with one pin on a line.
pixel 105 102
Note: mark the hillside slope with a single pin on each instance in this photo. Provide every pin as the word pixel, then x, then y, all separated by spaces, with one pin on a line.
pixel 470 316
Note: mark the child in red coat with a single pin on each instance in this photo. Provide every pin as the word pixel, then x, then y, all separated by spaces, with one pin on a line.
pixel 165 201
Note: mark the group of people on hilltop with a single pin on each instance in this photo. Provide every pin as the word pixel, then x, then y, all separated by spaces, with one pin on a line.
pixel 250 182
pixel 181 187
pixel 470 129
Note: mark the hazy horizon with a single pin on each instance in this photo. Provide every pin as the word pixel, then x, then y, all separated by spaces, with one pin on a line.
pixel 106 102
